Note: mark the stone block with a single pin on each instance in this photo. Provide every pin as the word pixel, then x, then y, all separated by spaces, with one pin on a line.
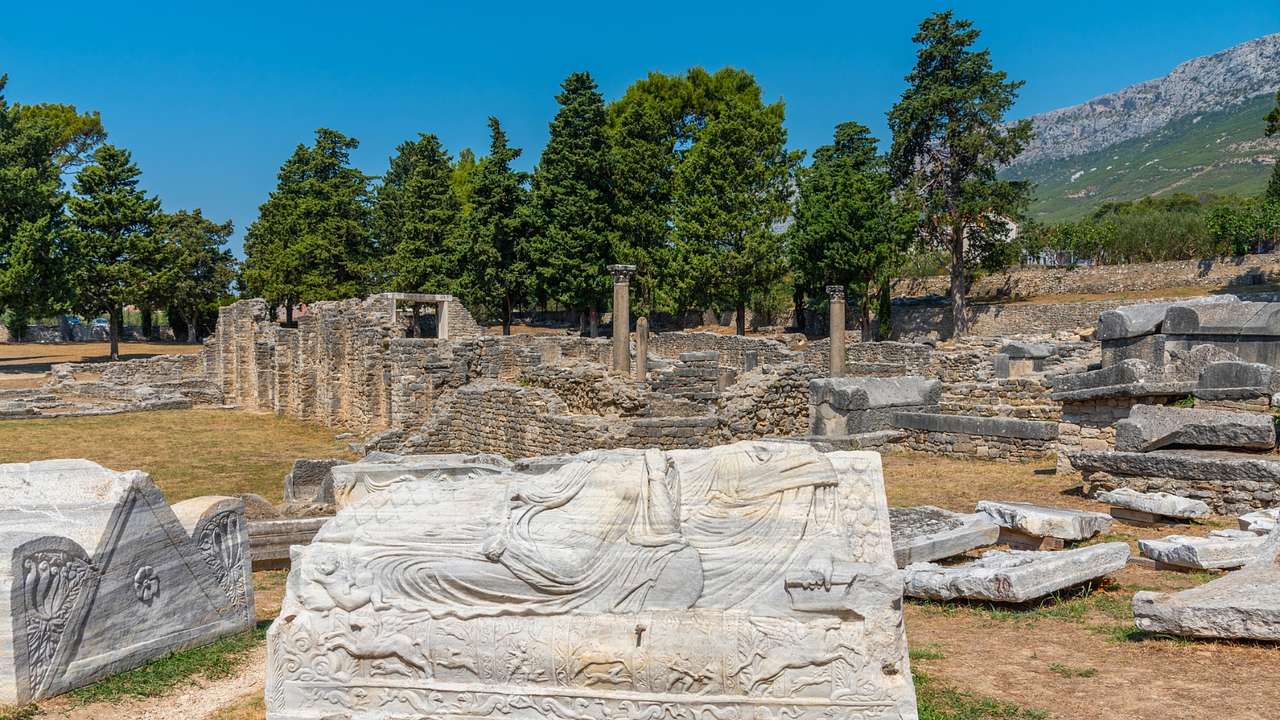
pixel 1045 522
pixel 1146 318
pixel 975 425
pixel 1155 503
pixel 1238 318
pixel 1232 375
pixel 1222 549
pixel 1015 576
pixel 1260 522
pixel 100 575
pixel 311 481
pixel 849 406
pixel 1243 605
pixel 375 474
pixel 1151 427
pixel 687 583
pixel 1123 373
pixel 925 533
pixel 1029 350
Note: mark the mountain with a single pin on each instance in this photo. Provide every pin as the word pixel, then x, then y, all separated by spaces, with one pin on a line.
pixel 1197 129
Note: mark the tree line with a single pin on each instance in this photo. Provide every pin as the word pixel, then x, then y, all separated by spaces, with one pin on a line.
pixel 686 176
pixel 102 243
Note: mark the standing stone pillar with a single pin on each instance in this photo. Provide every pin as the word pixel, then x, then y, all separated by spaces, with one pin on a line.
pixel 836 295
pixel 642 350
pixel 622 317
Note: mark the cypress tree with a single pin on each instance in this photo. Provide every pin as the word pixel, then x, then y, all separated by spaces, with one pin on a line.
pixel 418 216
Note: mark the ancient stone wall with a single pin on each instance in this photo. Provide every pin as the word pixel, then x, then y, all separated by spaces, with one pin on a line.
pixel 932 321
pixel 143 371
pixel 985 438
pixel 770 401
pixel 1026 398
pixel 589 388
pixel 732 348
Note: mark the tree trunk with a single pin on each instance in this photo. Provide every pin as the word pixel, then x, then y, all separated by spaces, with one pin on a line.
pixel 593 319
pixel 193 334
pixel 147 321
pixel 741 312
pixel 958 291
pixel 506 313
pixel 864 315
pixel 884 313
pixel 797 297
pixel 114 319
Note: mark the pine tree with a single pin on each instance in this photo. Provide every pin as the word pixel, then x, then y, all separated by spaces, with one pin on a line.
pixel 1273 128
pixel 571 209
pixel 197 270
pixel 114 245
pixel 418 218
pixel 495 235
pixel 848 228
pixel 731 190
pixel 312 238
pixel 949 138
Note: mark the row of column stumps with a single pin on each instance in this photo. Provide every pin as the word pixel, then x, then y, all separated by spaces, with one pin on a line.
pixel 836 295
pixel 622 317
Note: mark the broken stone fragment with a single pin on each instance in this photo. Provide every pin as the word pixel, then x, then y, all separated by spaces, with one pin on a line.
pixel 1222 549
pixel 925 533
pixel 1156 503
pixel 1260 522
pixel 1015 576
pixel 1151 427
pixel 1045 522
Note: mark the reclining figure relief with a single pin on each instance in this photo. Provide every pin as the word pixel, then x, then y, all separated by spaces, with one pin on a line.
pixel 745 578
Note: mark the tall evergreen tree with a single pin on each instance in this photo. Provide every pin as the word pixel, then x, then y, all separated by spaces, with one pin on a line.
pixel 417 216
pixel 1273 128
pixel 949 137
pixel 39 144
pixel 115 247
pixel 197 270
pixel 731 190
pixel 312 238
pixel 463 168
pixel 495 234
pixel 571 208
pixel 848 228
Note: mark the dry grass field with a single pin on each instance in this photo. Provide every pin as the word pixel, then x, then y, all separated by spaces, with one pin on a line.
pixel 25 365
pixel 1069 658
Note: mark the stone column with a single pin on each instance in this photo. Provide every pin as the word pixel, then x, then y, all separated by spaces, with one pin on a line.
pixel 836 294
pixel 642 350
pixel 622 317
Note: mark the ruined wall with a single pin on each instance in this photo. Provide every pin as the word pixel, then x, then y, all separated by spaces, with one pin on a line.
pixel 732 348
pixel 589 388
pixel 1026 398
pixel 932 321
pixel 983 447
pixel 768 402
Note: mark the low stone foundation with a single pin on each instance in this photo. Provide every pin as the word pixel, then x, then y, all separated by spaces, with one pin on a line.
pixel 985 438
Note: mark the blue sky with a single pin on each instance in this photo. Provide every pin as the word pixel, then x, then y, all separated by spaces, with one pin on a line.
pixel 212 100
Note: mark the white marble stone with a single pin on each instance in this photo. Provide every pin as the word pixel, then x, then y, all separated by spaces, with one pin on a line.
pixel 744 581
pixel 100 575
pixel 1220 550
pixel 1038 521
pixel 1243 605
pixel 925 533
pixel 1261 522
pixel 1015 576
pixel 380 471
pixel 1156 503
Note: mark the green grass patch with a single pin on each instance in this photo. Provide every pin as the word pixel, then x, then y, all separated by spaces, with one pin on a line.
pixel 937 701
pixel 932 651
pixel 1068 671
pixel 215 661
pixel 24 712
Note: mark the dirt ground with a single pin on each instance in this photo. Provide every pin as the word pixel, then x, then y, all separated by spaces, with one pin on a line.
pixel 25 365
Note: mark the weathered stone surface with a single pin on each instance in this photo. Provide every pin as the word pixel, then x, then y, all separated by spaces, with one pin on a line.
pixel 1145 389
pixel 100 575
pixel 1024 349
pixel 616 583
pixel 1260 522
pixel 1125 372
pixel 1239 318
pixel 1151 427
pixel 852 405
pixel 1015 576
pixel 925 533
pixel 1244 605
pixel 311 481
pixel 1206 466
pixel 377 473
pixel 1231 375
pixel 1146 318
pixel 1042 522
pixel 975 425
pixel 1156 503
pixel 270 540
pixel 1222 549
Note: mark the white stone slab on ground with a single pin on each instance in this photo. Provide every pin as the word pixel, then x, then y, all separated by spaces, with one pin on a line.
pixel 1155 503
pixel 1015 576
pixel 738 581
pixel 1243 605
pixel 1261 522
pixel 926 533
pixel 99 575
pixel 1222 549
pixel 1046 522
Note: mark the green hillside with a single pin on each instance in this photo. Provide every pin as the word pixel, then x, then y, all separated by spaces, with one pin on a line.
pixel 1218 153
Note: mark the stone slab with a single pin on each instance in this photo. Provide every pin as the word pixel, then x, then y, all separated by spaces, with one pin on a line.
pixel 1025 349
pixel 1243 605
pixel 1125 372
pixel 382 471
pixel 1151 427
pixel 311 481
pixel 1146 389
pixel 976 425
pixel 926 533
pixel 98 575
pixel 608 584
pixel 1261 522
pixel 1222 549
pixel 1040 521
pixel 270 540
pixel 862 393
pixel 1240 318
pixel 1207 466
pixel 1146 318
pixel 1156 503
pixel 1227 375
pixel 1015 576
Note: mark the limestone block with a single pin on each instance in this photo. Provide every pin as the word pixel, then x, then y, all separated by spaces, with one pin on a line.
pixel 379 472
pixel 607 584
pixel 1239 318
pixel 1030 350
pixel 1151 427
pixel 1243 605
pixel 1155 503
pixel 974 425
pixel 100 575
pixel 1122 373
pixel 1015 576
pixel 1222 549
pixel 925 533
pixel 310 481
pixel 852 405
pixel 1236 374
pixel 1045 522
pixel 1146 318
pixel 1261 522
